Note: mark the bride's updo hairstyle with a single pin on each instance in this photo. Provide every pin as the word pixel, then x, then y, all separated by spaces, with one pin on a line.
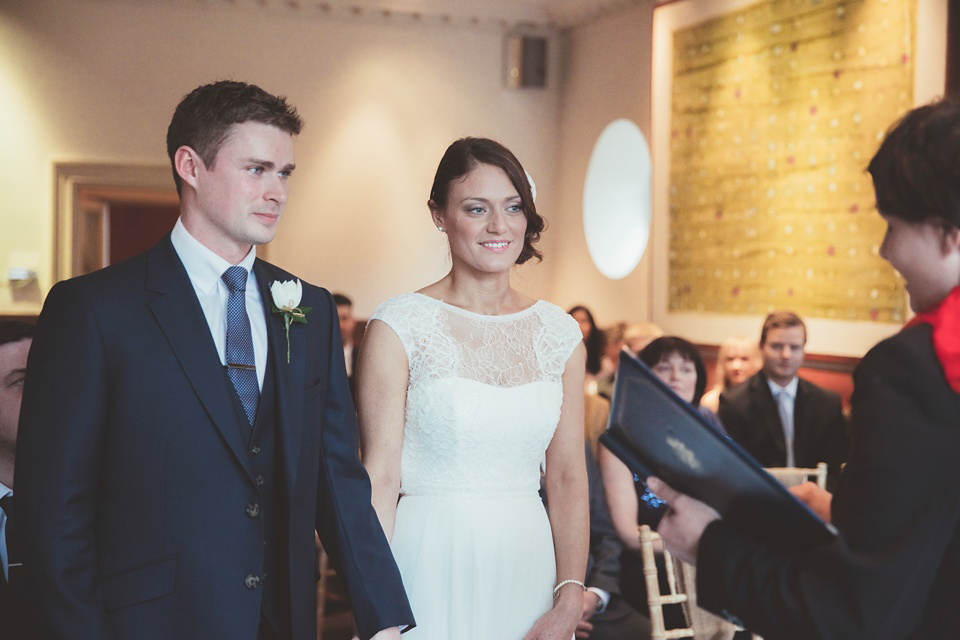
pixel 463 156
pixel 916 171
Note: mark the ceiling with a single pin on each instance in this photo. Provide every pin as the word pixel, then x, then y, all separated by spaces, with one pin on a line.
pixel 502 13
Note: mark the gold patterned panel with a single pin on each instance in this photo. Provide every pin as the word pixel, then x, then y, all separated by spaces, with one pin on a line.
pixel 776 111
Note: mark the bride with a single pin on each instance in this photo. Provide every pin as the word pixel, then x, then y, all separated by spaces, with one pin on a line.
pixel 463 387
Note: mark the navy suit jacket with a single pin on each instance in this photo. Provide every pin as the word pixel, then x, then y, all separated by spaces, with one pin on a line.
pixel 603 561
pixel 894 572
pixel 133 472
pixel 749 415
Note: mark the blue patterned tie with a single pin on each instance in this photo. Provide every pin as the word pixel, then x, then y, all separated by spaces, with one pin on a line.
pixel 785 409
pixel 241 367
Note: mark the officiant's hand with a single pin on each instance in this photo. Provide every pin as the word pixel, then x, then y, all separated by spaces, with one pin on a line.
pixel 684 522
pixel 819 500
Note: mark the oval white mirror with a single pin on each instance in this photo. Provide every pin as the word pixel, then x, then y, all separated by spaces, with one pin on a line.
pixel 617 200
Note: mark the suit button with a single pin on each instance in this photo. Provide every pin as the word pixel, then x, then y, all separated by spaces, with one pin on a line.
pixel 259 481
pixel 251 581
pixel 253 509
pixel 254 449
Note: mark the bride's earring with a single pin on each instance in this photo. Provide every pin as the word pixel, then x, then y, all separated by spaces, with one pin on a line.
pixel 440 229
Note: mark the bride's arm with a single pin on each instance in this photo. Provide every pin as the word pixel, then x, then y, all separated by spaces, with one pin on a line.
pixel 567 503
pixel 382 375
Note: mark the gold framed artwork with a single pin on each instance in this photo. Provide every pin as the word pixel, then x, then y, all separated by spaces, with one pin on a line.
pixel 765 116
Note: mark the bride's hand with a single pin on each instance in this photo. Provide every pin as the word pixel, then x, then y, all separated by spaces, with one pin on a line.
pixel 559 623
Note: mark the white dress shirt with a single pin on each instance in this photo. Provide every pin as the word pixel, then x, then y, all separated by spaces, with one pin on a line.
pixel 348 358
pixel 204 267
pixel 786 398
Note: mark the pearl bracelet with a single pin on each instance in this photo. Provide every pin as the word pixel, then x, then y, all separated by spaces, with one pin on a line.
pixel 556 589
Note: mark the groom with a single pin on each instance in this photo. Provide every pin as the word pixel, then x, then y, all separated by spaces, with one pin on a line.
pixel 173 460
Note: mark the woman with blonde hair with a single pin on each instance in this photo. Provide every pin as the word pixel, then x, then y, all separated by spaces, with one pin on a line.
pixel 737 360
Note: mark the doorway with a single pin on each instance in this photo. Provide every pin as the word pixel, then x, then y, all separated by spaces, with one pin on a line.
pixel 108 213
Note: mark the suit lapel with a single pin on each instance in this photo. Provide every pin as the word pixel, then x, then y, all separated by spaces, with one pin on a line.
pixel 181 319
pixel 288 376
pixel 800 420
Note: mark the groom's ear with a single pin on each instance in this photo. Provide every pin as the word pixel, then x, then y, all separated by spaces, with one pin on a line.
pixel 187 164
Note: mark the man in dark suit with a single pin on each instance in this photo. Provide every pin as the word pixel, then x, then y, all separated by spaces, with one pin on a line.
pixel 179 442
pixel 18 619
pixel 606 615
pixel 783 420
pixel 348 327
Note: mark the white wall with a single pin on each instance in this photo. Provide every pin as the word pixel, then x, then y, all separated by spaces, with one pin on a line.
pixel 97 80
pixel 606 75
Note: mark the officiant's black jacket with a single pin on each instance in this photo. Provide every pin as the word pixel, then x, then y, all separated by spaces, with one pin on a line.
pixel 894 571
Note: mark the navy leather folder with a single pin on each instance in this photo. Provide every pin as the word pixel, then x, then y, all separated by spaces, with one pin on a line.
pixel 656 433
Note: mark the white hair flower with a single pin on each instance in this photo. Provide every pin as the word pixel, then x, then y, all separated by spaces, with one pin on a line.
pixel 533 185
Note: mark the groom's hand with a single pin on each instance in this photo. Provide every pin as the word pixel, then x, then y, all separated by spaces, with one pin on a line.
pixel 590 603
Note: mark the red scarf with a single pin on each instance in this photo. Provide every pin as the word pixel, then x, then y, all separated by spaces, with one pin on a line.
pixel 945 320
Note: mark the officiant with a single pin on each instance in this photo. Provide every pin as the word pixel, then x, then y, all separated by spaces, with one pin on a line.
pixel 894 570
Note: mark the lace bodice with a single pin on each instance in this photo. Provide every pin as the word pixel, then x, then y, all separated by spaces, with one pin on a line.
pixel 483 395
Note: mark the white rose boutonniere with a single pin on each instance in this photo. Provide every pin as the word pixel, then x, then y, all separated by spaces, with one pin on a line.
pixel 286 301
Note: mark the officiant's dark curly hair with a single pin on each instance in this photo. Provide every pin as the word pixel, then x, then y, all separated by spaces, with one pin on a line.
pixel 466 153
pixel 203 118
pixel 916 170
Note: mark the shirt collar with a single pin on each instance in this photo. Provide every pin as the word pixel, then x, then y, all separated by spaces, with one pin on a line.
pixel 4 490
pixel 204 267
pixel 790 389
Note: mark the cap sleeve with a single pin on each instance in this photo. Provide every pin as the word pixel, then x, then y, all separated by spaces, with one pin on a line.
pixel 560 335
pixel 399 313
pixel 570 332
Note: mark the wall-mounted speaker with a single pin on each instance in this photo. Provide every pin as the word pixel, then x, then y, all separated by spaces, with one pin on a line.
pixel 526 62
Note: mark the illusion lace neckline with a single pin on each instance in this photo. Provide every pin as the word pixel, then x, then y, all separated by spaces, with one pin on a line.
pixel 474 314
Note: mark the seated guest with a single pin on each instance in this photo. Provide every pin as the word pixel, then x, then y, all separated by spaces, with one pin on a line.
pixel 894 571
pixel 678 363
pixel 615 340
pixel 348 324
pixel 639 334
pixel 593 340
pixel 596 411
pixel 18 619
pixel 780 419
pixel 605 614
pixel 737 360
pixel 15 340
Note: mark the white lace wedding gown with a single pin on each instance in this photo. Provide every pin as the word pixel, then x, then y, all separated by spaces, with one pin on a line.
pixel 472 538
